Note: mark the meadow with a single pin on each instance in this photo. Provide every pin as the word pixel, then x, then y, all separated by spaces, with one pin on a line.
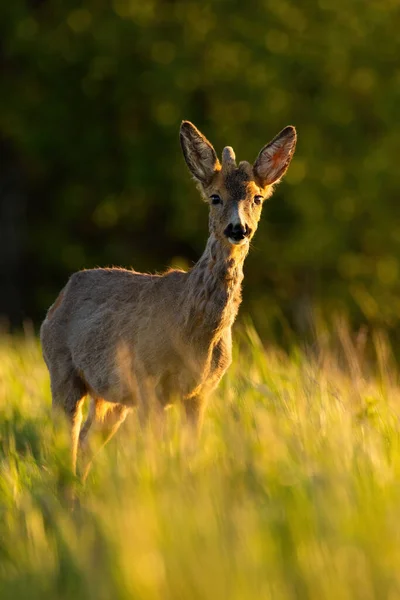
pixel 292 492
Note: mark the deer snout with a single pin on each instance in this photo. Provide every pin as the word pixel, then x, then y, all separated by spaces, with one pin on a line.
pixel 237 232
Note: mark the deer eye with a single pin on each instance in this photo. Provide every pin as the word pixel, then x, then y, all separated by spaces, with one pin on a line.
pixel 257 200
pixel 215 199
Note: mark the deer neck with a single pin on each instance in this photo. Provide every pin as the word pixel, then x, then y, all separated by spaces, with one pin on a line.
pixel 214 288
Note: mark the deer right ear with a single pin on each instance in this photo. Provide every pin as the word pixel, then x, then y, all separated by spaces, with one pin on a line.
pixel 199 154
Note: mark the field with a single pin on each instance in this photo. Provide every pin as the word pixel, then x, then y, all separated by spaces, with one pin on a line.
pixel 293 491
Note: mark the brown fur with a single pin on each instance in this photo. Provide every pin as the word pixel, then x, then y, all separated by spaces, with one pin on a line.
pixel 129 339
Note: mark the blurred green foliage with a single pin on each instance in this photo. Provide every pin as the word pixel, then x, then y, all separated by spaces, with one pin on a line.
pixel 92 99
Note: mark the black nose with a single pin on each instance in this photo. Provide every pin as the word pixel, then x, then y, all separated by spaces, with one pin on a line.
pixel 237 232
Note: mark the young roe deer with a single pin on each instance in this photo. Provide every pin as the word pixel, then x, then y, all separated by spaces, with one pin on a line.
pixel 124 338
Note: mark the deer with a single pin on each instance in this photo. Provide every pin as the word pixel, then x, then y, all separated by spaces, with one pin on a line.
pixel 129 339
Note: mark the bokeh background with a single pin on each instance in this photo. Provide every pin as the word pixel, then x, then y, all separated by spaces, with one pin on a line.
pixel 92 173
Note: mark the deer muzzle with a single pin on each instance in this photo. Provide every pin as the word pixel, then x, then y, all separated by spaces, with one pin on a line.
pixel 238 233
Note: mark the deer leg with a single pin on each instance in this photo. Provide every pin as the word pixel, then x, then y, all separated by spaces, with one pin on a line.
pixel 87 424
pixel 85 450
pixel 151 409
pixel 194 411
pixel 68 393
pixel 76 421
pixel 118 414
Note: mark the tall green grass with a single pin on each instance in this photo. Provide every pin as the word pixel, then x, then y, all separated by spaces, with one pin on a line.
pixel 293 491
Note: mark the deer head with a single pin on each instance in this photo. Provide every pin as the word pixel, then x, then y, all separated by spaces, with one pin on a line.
pixel 235 193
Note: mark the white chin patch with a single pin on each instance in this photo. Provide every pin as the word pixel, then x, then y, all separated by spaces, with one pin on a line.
pixel 238 242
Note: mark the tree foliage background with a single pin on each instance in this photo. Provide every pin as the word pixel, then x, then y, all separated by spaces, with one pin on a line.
pixel 91 170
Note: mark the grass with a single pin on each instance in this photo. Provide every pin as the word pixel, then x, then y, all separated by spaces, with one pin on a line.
pixel 293 492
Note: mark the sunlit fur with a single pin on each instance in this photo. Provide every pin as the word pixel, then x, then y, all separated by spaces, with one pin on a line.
pixel 129 339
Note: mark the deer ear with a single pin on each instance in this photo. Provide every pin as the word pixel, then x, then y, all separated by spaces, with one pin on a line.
pixel 199 154
pixel 274 159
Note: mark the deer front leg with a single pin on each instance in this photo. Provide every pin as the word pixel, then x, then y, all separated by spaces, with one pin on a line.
pixel 194 410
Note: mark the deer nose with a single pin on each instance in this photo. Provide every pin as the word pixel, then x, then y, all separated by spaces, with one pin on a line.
pixel 237 231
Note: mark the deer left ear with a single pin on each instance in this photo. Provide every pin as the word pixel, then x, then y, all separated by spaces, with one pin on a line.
pixel 274 159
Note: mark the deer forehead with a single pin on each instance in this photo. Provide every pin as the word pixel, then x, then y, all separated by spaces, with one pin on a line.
pixel 236 184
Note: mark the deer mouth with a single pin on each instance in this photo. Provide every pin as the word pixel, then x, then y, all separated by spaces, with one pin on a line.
pixel 238 242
